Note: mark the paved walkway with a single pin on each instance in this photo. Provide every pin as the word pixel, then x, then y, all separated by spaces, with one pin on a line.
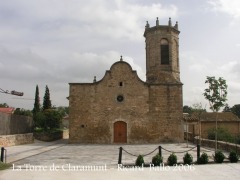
pixel 60 160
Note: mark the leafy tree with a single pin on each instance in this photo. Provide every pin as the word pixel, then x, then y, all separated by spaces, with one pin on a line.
pixel 62 110
pixel 23 112
pixel 46 100
pixel 216 94
pixel 226 108
pixel 52 118
pixel 4 105
pixel 236 109
pixel 37 101
pixel 197 107
pixel 48 119
pixel 40 120
pixel 187 109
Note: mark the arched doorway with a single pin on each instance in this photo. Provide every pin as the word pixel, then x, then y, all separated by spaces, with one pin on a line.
pixel 120 132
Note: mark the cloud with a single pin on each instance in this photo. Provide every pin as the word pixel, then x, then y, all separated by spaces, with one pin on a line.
pixel 54 42
pixel 198 66
pixel 23 70
pixel 230 7
pixel 116 19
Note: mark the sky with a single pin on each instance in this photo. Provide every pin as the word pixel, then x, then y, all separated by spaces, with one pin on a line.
pixel 55 42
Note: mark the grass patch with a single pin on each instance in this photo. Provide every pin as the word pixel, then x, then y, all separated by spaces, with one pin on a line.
pixel 55 130
pixel 4 166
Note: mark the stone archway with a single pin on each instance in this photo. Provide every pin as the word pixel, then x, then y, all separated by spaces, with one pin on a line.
pixel 120 132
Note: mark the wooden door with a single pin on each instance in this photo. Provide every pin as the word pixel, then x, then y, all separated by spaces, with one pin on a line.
pixel 120 132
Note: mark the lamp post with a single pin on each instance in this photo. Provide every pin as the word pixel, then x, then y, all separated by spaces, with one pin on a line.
pixel 13 92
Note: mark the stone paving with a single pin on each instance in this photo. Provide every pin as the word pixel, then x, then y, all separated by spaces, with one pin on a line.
pixel 60 152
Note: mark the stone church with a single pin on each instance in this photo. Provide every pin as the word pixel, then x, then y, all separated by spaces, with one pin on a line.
pixel 121 108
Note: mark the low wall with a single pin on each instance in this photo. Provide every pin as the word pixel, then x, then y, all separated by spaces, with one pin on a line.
pixel 16 139
pixel 48 136
pixel 225 146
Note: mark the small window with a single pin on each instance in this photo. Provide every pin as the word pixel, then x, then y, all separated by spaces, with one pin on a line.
pixel 164 52
pixel 120 84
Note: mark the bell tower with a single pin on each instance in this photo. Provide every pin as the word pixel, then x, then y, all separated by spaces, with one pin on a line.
pixel 162 53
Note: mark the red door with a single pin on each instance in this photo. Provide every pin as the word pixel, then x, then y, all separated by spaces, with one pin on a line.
pixel 120 132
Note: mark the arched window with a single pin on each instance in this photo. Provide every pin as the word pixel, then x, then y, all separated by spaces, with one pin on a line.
pixel 164 51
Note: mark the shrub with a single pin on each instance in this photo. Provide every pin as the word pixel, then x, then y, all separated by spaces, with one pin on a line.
pixel 203 159
pixel 219 157
pixel 172 159
pixel 139 161
pixel 48 119
pixel 222 135
pixel 233 157
pixel 187 159
pixel 157 160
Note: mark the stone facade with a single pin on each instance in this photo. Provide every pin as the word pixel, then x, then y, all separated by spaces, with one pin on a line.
pixel 121 108
pixel 16 139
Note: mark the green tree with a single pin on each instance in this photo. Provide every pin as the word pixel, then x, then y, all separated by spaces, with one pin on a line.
pixel 52 118
pixel 216 94
pixel 24 112
pixel 48 119
pixel 226 108
pixel 4 105
pixel 62 110
pixel 236 109
pixel 37 101
pixel 46 100
pixel 187 109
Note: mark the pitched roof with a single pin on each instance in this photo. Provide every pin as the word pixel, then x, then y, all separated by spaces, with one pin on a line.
pixel 222 116
pixel 7 110
pixel 211 116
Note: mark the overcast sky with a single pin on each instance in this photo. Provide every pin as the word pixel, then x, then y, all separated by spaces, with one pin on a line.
pixel 54 42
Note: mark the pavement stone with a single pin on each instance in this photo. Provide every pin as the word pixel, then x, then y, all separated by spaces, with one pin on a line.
pixel 60 160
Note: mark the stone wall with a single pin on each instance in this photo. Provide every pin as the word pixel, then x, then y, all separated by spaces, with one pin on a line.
pixel 233 127
pixel 152 112
pixel 17 139
pixel 15 124
pixel 225 146
pixel 5 123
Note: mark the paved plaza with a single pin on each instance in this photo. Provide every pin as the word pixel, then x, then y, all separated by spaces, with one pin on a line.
pixel 60 160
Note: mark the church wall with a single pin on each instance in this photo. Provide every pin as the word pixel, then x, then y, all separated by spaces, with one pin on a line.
pixel 144 112
pixel 165 110
pixel 96 107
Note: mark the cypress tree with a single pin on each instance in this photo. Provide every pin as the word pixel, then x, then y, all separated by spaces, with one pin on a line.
pixel 36 102
pixel 46 100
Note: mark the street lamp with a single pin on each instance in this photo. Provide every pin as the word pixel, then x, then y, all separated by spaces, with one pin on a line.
pixel 16 93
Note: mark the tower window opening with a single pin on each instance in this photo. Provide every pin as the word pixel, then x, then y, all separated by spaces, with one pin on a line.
pixel 164 51
pixel 120 83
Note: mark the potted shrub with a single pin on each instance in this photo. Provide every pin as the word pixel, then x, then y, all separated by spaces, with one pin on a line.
pixel 203 159
pixel 172 159
pixel 157 160
pixel 187 159
pixel 233 157
pixel 139 161
pixel 219 157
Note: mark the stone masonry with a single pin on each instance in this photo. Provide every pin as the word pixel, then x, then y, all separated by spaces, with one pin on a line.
pixel 121 108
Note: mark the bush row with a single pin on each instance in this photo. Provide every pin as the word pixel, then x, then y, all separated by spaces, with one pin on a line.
pixel 157 160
